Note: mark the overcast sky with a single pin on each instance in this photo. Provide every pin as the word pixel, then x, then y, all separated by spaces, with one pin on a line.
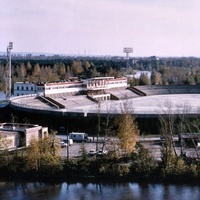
pixel 101 27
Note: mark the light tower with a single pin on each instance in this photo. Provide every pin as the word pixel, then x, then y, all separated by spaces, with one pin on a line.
pixel 9 70
pixel 127 50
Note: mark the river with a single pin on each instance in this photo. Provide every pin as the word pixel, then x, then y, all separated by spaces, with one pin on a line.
pixel 91 191
pixel 2 96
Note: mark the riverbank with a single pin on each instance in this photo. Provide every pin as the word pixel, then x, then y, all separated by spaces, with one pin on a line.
pixel 103 169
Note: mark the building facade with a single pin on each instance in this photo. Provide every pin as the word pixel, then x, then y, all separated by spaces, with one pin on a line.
pixel 16 135
pixel 92 87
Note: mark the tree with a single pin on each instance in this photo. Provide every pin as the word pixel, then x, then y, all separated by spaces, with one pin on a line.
pixel 86 65
pixel 44 155
pixel 22 72
pixel 167 123
pixel 112 72
pixel 77 68
pixel 183 122
pixel 36 70
pixel 128 131
pixel 2 79
pixel 28 67
pixel 145 164
pixel 4 142
pixel 144 79
pixel 156 78
pixel 61 71
pixel 33 155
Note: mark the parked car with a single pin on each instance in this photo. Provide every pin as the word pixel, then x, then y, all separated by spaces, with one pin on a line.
pixel 92 152
pixel 63 144
pixel 101 152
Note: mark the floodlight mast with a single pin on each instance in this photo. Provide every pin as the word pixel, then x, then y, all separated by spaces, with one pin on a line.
pixel 127 50
pixel 9 70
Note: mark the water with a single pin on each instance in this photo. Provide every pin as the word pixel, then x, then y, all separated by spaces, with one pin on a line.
pixel 2 96
pixel 91 191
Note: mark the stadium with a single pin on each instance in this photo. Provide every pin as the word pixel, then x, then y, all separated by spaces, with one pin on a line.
pixel 143 101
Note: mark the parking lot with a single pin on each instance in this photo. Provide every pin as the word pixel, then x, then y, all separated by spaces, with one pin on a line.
pixel 75 148
pixel 154 145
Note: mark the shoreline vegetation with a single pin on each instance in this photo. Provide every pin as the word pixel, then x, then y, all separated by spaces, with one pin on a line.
pixel 139 166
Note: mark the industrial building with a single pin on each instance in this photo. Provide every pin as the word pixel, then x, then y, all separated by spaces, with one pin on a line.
pixel 14 135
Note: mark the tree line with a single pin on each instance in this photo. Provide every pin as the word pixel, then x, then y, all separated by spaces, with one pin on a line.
pixel 163 71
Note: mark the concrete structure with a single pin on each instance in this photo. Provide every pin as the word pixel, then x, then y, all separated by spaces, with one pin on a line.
pixel 144 101
pixel 8 140
pixel 95 88
pixel 19 135
pixel 9 72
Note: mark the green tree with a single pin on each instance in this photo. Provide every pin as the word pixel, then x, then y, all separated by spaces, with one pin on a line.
pixel 145 164
pixel 144 79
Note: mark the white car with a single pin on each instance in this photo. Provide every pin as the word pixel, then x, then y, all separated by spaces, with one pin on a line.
pixel 101 153
pixel 63 144
pixel 92 152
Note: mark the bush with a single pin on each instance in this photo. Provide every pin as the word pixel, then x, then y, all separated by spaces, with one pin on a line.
pixel 144 164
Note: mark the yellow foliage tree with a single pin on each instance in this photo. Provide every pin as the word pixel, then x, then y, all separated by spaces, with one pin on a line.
pixel 128 131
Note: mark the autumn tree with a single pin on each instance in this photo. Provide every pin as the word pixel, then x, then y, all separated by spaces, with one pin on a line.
pixel 68 72
pixel 4 142
pixel 128 131
pixel 2 79
pixel 60 70
pixel 28 68
pixel 77 68
pixel 21 72
pixel 134 82
pixel 44 154
pixel 156 78
pixel 33 155
pixel 43 75
pixel 86 65
pixel 36 70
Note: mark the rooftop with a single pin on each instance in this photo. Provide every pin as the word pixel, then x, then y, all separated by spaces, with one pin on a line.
pixel 152 104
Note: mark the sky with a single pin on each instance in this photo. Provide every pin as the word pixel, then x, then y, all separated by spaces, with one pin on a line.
pixel 101 27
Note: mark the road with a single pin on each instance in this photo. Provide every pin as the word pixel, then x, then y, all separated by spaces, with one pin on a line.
pixel 153 144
